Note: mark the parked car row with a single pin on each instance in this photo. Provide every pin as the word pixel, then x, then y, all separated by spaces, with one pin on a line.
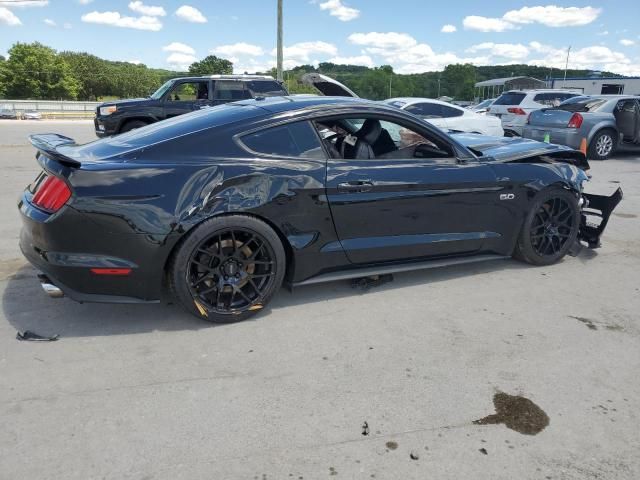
pixel 10 114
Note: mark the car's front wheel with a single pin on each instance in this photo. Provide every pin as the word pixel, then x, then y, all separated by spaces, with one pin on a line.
pixel 550 228
pixel 602 145
pixel 228 268
pixel 132 125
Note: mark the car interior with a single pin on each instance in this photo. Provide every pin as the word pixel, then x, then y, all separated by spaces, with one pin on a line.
pixel 373 138
pixel 627 116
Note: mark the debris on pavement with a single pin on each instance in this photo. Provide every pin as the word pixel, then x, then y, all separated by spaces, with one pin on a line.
pixel 29 336
pixel 483 451
pixel 391 445
pixel 414 456
pixel 365 429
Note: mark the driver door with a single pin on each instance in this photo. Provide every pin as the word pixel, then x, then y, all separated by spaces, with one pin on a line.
pixel 403 206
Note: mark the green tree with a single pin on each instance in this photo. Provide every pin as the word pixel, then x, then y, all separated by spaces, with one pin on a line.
pixel 459 81
pixel 36 71
pixel 211 65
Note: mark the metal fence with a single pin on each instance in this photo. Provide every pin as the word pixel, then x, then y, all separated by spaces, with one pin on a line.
pixel 52 108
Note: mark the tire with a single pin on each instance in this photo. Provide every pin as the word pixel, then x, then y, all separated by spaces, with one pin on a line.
pixel 132 125
pixel 602 145
pixel 550 228
pixel 227 269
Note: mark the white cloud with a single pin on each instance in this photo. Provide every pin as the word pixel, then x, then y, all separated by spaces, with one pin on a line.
pixel 540 48
pixel 134 61
pixel 114 19
pixel 340 10
pixel 603 33
pixel 596 57
pixel 448 28
pixel 238 49
pixel 50 22
pixel 383 41
pixel 148 10
pixel 180 61
pixel 178 47
pixel 190 14
pixel 20 4
pixel 363 60
pixel 7 17
pixel 66 26
pixel 513 51
pixel 485 24
pixel 626 42
pixel 84 2
pixel 553 16
pixel 302 52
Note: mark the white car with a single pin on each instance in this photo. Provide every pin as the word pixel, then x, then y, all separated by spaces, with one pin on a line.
pixel 448 116
pixel 514 106
pixel 483 106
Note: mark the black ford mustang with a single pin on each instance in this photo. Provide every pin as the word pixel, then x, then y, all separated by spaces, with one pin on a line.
pixel 225 204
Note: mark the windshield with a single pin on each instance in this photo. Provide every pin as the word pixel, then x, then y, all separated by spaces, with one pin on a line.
pixel 162 90
pixel 484 104
pixel 581 104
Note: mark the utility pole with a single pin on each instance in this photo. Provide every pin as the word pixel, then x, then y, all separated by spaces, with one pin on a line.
pixel 390 79
pixel 566 66
pixel 279 48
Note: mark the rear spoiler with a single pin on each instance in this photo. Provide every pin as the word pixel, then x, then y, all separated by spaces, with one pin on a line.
pixel 48 143
pixel 597 207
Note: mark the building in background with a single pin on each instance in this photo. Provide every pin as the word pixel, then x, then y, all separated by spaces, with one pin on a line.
pixel 597 85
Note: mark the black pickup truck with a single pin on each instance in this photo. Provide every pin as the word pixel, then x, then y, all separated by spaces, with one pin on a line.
pixel 182 95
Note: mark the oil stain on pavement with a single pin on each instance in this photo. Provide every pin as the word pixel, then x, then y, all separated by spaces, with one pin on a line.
pixel 517 413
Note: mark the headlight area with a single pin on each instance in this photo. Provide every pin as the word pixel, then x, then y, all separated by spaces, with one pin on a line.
pixel 108 110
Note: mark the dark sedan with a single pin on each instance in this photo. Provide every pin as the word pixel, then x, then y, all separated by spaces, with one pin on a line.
pixel 224 205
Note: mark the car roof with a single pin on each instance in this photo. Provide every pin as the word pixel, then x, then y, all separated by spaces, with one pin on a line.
pixel 544 90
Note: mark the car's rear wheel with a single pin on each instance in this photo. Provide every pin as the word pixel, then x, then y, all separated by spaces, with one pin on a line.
pixel 602 145
pixel 132 125
pixel 228 268
pixel 550 228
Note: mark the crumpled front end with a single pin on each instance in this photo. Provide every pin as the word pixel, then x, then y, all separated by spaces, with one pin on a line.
pixel 595 215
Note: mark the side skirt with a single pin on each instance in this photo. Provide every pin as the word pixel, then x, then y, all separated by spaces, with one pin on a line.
pixel 396 268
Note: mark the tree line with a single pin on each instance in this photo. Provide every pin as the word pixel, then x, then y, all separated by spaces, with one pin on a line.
pixel 35 71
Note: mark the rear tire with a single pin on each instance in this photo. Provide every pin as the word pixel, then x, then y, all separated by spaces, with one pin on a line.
pixel 602 145
pixel 132 125
pixel 550 228
pixel 228 268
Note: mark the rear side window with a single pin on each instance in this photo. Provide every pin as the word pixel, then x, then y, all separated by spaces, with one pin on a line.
pixel 265 88
pixel 510 99
pixel 449 112
pixel 291 140
pixel 426 110
pixel 230 91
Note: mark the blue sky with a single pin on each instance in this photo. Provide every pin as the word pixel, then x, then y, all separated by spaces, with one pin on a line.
pixel 411 35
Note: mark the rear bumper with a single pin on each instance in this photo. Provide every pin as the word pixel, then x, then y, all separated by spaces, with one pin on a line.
pixel 595 216
pixel 67 245
pixel 570 137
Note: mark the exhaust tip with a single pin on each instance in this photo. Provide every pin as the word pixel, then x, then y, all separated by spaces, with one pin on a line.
pixel 49 288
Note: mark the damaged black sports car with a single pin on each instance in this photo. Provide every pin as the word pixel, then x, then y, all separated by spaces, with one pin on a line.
pixel 224 205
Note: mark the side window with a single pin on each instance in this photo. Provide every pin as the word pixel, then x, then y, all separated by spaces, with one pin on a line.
pixel 426 110
pixel 449 112
pixel 189 92
pixel 291 140
pixel 372 138
pixel 265 88
pixel 230 91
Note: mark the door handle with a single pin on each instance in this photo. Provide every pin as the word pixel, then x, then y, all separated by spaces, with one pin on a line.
pixel 355 186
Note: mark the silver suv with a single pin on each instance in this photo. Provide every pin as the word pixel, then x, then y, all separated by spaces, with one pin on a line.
pixel 514 106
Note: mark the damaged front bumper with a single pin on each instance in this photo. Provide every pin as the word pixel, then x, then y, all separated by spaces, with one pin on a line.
pixel 595 214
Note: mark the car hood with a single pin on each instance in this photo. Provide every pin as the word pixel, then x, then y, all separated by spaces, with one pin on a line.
pixel 509 149
pixel 327 85
pixel 125 103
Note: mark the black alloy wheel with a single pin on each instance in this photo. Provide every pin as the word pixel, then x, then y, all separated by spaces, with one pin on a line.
pixel 227 268
pixel 550 229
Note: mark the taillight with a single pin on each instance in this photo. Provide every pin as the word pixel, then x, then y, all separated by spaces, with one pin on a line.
pixel 575 121
pixel 51 194
pixel 516 111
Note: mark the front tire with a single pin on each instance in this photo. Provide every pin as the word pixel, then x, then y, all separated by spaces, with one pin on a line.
pixel 602 146
pixel 550 228
pixel 228 268
pixel 132 125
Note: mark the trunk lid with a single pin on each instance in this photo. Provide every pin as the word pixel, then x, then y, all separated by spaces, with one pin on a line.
pixel 550 117
pixel 327 85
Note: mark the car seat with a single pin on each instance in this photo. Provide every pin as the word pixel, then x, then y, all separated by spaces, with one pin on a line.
pixel 360 144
